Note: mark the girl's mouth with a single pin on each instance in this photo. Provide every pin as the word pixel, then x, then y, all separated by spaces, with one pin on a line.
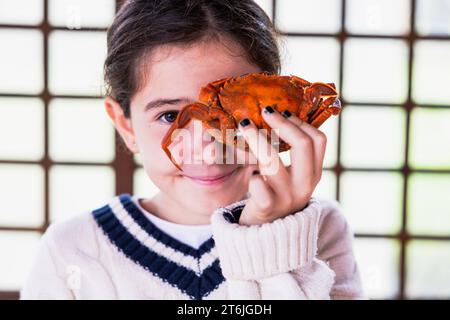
pixel 211 180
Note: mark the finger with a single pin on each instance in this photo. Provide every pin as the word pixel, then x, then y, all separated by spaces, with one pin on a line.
pixel 242 156
pixel 261 193
pixel 319 139
pixel 269 162
pixel 302 147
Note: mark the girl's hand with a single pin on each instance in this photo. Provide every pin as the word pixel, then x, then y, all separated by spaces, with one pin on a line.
pixel 279 191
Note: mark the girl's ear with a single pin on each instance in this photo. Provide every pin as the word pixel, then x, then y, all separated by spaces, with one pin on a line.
pixel 122 123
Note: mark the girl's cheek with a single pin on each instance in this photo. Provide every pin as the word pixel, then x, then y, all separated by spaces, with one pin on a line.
pixel 151 149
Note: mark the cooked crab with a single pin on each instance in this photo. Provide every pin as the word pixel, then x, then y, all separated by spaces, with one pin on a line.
pixel 222 104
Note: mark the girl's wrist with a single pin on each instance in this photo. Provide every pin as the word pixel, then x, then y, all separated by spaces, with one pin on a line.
pixel 248 220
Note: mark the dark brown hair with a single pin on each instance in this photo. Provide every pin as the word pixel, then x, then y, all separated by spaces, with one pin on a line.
pixel 142 25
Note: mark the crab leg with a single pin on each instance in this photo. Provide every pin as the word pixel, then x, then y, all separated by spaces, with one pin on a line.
pixel 327 108
pixel 300 82
pixel 313 97
pixel 209 94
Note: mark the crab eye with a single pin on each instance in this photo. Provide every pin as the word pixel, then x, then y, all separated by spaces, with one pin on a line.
pixel 168 116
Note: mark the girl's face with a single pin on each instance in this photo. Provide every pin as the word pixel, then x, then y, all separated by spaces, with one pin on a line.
pixel 173 78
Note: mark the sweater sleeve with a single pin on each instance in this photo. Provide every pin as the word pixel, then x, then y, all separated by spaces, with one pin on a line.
pixel 335 245
pixel 283 259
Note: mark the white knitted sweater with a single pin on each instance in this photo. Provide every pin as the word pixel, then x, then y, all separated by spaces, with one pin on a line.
pixel 115 252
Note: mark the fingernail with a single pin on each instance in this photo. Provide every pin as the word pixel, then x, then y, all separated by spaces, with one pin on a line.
pixel 268 110
pixel 255 172
pixel 286 114
pixel 244 122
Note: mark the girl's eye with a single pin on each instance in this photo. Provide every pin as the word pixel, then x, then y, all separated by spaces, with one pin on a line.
pixel 168 117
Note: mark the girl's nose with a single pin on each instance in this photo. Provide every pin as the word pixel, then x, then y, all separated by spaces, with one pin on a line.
pixel 203 147
pixel 211 153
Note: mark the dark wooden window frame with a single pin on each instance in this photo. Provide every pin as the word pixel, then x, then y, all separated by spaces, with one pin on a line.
pixel 124 164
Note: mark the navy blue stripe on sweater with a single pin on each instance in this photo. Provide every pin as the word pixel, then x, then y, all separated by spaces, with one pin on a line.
pixel 196 287
pixel 151 229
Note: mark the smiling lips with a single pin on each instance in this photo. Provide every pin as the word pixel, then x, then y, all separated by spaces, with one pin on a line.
pixel 210 180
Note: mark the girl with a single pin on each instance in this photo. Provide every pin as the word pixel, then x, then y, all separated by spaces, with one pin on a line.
pixel 214 231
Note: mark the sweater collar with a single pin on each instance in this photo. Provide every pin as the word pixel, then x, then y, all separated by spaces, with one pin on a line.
pixel 153 230
pixel 196 272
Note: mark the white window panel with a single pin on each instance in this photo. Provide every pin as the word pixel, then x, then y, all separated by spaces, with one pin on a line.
pixel 76 190
pixel 76 62
pixel 431 73
pixel 430 138
pixel 428 209
pixel 80 130
pixel 22 194
pixel 378 16
pixel 314 59
pixel 373 137
pixel 76 14
pixel 372 201
pixel 309 16
pixel 21 61
pixel 12 12
pixel 375 70
pixel 378 262
pixel 433 17
pixel 21 128
pixel 428 275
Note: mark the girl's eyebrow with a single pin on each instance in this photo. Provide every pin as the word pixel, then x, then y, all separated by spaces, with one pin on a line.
pixel 161 102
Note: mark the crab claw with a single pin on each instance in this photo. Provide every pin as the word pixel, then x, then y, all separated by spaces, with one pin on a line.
pixel 211 117
pixel 331 106
pixel 314 96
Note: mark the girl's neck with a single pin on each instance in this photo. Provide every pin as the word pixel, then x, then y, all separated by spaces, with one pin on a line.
pixel 167 209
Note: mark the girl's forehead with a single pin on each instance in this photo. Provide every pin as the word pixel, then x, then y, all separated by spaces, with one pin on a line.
pixel 185 69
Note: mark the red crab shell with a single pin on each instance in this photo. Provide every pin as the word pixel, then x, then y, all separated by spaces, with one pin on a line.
pixel 222 104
